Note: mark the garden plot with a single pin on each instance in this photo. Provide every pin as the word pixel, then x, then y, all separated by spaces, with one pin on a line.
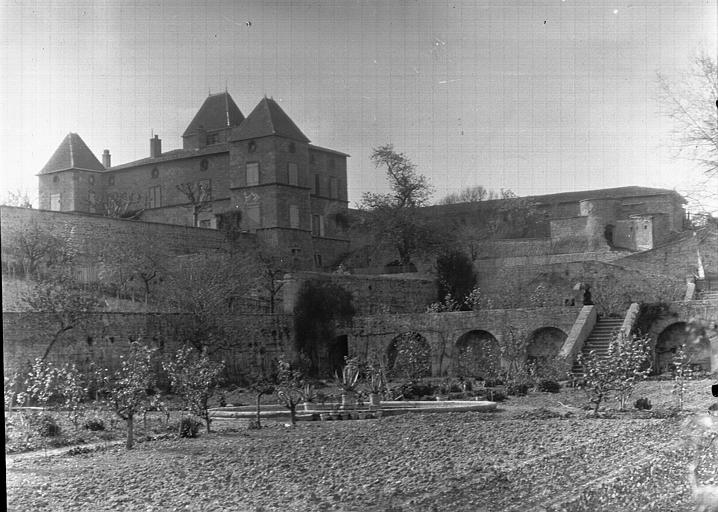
pixel 454 461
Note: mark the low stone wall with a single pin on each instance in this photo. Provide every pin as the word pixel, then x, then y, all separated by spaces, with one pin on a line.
pixel 371 336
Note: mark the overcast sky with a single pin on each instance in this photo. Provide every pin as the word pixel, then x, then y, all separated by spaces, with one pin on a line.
pixel 537 96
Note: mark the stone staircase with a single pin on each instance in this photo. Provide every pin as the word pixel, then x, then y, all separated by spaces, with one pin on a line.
pixel 598 340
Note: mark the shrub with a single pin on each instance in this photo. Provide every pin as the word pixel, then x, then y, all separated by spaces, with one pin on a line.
pixel 643 404
pixel 188 427
pixel 94 424
pixel 46 425
pixel 495 396
pixel 416 390
pixel 549 386
pixel 517 389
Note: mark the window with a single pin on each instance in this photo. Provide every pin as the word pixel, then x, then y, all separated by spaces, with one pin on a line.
pixel 92 201
pixel 293 173
pixel 254 216
pixel 155 172
pixel 204 188
pixel 252 173
pixel 333 188
pixel 317 184
pixel 292 147
pixel 318 260
pixel 206 223
pixel 91 179
pixel 154 197
pixel 111 180
pixel 56 179
pixel 252 147
pixel 331 164
pixel 212 138
pixel 204 164
pixel 317 225
pixel 312 158
pixel 55 202
pixel 294 216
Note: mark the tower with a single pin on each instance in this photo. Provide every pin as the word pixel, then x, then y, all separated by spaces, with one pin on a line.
pixel 70 181
pixel 269 183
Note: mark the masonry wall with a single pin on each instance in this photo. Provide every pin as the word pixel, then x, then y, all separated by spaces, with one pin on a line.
pixel 92 232
pixel 371 294
pixel 104 338
pixel 371 337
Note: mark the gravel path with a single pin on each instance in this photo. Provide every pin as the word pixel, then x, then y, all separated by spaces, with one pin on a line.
pixel 454 461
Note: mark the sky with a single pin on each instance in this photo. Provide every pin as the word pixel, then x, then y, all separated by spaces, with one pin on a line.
pixel 538 96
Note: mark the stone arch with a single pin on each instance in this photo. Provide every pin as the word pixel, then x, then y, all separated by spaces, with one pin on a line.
pixel 409 355
pixel 543 346
pixel 672 337
pixel 477 354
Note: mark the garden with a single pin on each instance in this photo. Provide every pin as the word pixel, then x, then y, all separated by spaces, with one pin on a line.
pixel 612 440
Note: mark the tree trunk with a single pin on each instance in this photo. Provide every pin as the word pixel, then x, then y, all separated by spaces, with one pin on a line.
pixel 207 420
pixel 293 414
pixel 130 431
pixel 54 339
pixel 259 400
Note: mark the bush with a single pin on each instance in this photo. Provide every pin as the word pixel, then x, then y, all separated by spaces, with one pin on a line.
pixel 415 390
pixel 495 396
pixel 549 386
pixel 45 425
pixel 643 404
pixel 94 424
pixel 517 389
pixel 188 427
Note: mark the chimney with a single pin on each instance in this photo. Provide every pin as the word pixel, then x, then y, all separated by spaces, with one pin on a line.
pixel 106 159
pixel 155 147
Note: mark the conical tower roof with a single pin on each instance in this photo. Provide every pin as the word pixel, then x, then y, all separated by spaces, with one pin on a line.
pixel 268 118
pixel 218 111
pixel 72 153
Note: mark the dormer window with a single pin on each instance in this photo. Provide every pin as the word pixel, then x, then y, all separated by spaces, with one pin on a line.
pixel 212 138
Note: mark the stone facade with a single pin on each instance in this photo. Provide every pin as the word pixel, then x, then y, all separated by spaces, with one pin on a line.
pixel 261 169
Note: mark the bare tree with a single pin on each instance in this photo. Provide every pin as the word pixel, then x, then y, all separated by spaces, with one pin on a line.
pixel 140 259
pixel 473 194
pixel 123 205
pixel 199 197
pixel 211 288
pixel 18 198
pixel 692 104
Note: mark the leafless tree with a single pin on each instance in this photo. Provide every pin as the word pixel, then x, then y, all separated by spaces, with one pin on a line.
pixel 692 104
pixel 211 288
pixel 124 205
pixel 473 194
pixel 199 197
pixel 18 198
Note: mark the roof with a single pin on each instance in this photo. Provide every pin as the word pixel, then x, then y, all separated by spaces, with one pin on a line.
pixel 219 111
pixel 72 153
pixel 605 193
pixel 176 154
pixel 327 150
pixel 268 118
